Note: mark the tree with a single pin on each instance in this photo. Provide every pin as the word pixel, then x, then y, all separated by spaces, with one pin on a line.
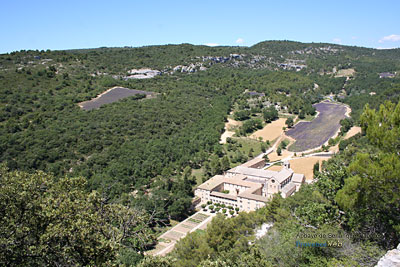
pixel 215 165
pixel 289 122
pixel 180 205
pixel 225 165
pixel 270 114
pixel 346 124
pixel 263 147
pixel 279 151
pixel 49 222
pixel 251 151
pixel 316 168
pixel 370 194
pixel 241 115
pixel 302 114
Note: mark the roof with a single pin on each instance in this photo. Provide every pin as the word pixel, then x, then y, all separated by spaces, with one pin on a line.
pixel 283 175
pixel 253 162
pixel 223 195
pixel 298 178
pixel 256 93
pixel 386 74
pixel 253 172
pixel 289 188
pixel 239 179
pixel 251 196
pixel 212 182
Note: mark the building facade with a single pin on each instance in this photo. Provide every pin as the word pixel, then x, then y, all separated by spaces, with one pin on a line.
pixel 248 186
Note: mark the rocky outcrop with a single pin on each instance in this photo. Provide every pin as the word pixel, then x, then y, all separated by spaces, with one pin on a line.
pixel 391 258
pixel 142 74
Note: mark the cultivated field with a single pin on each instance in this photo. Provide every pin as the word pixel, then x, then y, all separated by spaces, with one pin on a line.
pixel 313 134
pixel 271 131
pixel 306 165
pixel 110 96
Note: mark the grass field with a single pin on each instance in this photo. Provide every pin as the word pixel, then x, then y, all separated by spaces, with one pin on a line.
pixel 313 134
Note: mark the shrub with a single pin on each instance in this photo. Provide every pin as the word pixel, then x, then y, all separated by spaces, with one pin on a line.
pixel 223 210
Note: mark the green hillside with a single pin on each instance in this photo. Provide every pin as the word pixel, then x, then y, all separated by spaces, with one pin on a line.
pixel 140 153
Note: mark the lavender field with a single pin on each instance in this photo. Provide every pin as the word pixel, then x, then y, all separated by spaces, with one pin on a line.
pixel 111 96
pixel 315 133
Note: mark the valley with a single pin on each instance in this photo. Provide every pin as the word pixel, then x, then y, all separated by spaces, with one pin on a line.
pixel 143 127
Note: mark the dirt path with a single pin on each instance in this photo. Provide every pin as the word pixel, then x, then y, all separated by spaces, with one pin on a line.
pixel 352 132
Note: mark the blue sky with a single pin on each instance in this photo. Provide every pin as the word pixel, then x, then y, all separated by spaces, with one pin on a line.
pixel 85 24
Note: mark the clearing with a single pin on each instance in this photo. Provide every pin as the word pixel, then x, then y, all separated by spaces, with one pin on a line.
pixel 112 95
pixel 230 127
pixel 270 131
pixel 352 132
pixel 345 73
pixel 313 134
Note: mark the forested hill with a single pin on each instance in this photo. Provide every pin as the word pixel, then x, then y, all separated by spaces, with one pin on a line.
pixel 140 152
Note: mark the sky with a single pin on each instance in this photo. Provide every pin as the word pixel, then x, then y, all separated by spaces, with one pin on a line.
pixel 72 24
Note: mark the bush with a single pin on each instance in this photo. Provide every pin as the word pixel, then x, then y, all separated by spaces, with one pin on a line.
pixel 203 206
pixel 223 210
pixel 232 212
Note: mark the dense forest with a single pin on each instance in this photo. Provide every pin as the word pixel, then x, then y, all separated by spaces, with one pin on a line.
pixel 137 155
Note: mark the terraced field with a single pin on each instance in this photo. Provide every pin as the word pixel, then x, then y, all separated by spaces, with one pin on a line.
pixel 313 134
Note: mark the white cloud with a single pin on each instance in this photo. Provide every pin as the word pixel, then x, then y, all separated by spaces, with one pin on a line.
pixel 211 44
pixel 390 38
pixel 239 41
pixel 337 40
